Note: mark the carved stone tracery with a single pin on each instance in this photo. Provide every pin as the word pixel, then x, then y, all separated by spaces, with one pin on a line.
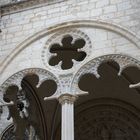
pixel 57 42
pixel 67 83
pixel 20 108
pixel 68 52
pixel 18 112
pixel 17 78
pixel 91 67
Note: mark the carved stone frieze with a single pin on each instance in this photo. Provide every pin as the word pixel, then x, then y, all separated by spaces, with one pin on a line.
pixel 17 78
pixel 65 81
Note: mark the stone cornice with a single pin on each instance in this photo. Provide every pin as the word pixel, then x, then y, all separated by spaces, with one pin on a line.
pixel 24 5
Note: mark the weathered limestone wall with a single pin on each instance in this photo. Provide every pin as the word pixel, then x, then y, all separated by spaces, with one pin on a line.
pixel 32 54
pixel 3 2
pixel 19 26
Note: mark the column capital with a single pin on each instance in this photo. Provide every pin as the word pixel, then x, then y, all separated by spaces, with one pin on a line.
pixel 67 98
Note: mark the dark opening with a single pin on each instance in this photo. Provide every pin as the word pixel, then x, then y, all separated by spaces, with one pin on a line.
pixel 67 52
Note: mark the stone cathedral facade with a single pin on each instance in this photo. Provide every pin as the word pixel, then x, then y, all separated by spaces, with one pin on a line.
pixel 70 70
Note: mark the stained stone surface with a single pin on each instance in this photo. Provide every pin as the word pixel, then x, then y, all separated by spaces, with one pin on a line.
pixel 32 33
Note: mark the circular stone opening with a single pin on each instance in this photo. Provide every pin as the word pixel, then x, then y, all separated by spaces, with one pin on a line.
pixel 68 51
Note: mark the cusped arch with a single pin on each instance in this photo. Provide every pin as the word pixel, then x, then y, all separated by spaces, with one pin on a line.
pixel 91 67
pixel 72 24
pixel 15 81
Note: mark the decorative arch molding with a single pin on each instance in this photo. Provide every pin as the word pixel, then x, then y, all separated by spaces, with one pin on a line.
pixel 6 131
pixel 71 24
pixel 16 78
pixel 91 114
pixel 58 39
pixel 107 112
pixel 112 101
pixel 91 67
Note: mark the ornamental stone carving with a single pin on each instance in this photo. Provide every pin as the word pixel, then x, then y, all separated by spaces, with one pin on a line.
pixel 107 119
pixel 66 49
pixel 68 83
pixel 91 67
pixel 67 98
pixel 8 134
pixel 18 111
pixel 17 78
pixel 21 101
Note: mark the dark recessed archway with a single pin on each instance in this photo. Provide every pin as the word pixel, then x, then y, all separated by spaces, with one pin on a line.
pixel 106 119
pixel 30 99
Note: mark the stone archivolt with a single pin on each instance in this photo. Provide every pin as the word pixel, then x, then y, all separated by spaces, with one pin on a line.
pixel 107 119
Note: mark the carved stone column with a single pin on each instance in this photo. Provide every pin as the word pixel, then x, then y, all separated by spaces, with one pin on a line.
pixel 67 118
